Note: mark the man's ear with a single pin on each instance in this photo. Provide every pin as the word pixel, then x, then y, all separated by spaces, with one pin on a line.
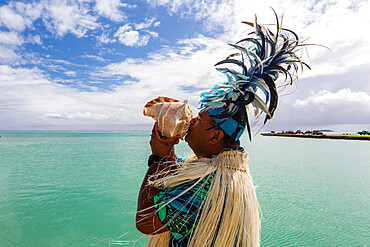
pixel 217 137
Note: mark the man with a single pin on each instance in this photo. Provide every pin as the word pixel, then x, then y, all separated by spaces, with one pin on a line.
pixel 208 143
pixel 209 199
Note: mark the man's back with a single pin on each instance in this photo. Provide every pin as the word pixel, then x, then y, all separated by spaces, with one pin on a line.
pixel 209 202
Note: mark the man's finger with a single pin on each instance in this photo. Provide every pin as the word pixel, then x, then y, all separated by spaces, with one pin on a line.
pixel 156 135
pixel 174 140
pixel 155 131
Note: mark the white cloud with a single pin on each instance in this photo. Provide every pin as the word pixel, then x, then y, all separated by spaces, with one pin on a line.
pixel 325 108
pixel 129 37
pixel 88 115
pixel 18 16
pixel 111 9
pixel 31 11
pixel 147 24
pixel 175 6
pixel 97 58
pixel 10 38
pixel 35 39
pixel 61 18
pixel 8 55
pixel 173 72
pixel 29 100
pixel 52 115
pixel 11 19
pixel 70 73
pixel 20 76
pixel 105 39
pixel 344 98
pixel 213 13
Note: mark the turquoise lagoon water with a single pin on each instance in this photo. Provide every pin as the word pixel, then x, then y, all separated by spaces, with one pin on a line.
pixel 80 188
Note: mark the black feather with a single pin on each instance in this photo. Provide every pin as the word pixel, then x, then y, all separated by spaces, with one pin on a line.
pixel 273 95
pixel 237 62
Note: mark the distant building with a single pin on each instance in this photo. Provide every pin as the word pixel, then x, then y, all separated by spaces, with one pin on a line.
pixel 317 132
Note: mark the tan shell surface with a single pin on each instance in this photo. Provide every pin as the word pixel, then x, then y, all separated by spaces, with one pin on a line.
pixel 173 116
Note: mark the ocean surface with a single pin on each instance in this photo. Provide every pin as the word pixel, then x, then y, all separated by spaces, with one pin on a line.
pixel 79 188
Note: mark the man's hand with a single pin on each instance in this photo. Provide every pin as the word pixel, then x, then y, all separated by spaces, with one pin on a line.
pixel 161 145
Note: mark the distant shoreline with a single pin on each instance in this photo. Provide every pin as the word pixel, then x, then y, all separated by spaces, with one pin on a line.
pixel 324 136
pixel 74 133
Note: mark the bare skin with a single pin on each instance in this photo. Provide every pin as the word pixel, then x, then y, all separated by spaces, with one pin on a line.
pixel 147 220
pixel 203 142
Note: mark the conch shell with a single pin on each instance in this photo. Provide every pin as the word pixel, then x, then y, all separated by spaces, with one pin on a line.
pixel 173 116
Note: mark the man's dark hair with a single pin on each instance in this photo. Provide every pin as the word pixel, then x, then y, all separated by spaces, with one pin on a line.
pixel 229 142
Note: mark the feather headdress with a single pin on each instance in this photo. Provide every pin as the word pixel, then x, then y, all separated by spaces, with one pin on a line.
pixel 261 57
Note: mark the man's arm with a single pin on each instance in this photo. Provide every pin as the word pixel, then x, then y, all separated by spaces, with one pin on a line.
pixel 147 220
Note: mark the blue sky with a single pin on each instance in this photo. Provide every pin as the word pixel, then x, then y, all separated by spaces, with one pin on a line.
pixel 93 64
